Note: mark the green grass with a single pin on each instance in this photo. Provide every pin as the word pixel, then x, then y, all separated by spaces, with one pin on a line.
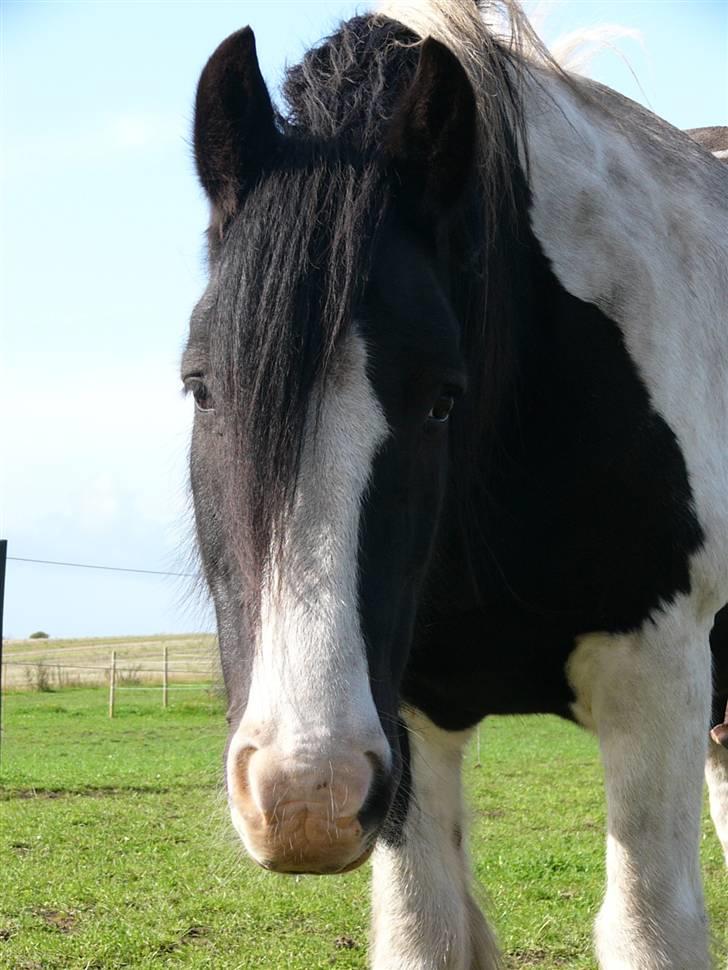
pixel 116 850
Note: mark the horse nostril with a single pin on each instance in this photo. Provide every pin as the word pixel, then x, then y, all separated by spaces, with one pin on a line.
pixel 376 804
pixel 238 772
pixel 375 761
pixel 242 758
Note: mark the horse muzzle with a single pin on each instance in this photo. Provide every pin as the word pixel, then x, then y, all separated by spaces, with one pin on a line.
pixel 300 812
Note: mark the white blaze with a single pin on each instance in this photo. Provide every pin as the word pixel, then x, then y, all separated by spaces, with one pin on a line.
pixel 309 692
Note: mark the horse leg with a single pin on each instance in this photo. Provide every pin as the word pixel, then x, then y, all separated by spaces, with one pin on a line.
pixel 647 696
pixel 716 767
pixel 424 915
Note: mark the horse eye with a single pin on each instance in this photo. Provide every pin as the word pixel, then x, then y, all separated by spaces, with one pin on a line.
pixel 201 394
pixel 441 408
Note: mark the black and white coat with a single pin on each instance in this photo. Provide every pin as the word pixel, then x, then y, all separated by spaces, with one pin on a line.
pixel 377 644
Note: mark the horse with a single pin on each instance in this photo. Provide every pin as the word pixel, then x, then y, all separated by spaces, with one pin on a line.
pixel 460 448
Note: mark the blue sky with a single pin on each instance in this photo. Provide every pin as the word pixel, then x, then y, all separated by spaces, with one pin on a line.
pixel 101 261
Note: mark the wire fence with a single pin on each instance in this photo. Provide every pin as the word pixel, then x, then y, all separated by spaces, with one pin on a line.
pixel 131 669
pixel 110 569
pixel 42 667
pixel 120 674
pixel 18 672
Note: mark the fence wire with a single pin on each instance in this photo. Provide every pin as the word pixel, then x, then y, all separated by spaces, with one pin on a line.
pixel 120 670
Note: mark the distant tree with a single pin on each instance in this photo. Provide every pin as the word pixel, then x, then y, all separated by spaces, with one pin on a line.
pixel 38 635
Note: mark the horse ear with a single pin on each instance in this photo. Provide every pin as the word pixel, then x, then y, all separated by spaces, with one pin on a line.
pixel 432 133
pixel 234 130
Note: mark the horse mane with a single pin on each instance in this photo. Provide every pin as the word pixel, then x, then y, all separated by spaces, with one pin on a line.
pixel 496 45
pixel 469 27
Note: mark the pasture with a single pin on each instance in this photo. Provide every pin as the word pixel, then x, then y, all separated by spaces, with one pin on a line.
pixel 117 851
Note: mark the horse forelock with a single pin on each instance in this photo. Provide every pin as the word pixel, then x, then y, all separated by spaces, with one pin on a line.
pixel 287 279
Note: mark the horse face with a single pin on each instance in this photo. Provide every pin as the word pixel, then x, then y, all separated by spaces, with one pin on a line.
pixel 319 456
pixel 310 770
pixel 313 674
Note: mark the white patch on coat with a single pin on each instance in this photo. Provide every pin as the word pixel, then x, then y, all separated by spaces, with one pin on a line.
pixel 716 775
pixel 309 693
pixel 424 915
pixel 647 696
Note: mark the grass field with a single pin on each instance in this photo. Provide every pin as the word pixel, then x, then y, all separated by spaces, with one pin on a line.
pixel 116 851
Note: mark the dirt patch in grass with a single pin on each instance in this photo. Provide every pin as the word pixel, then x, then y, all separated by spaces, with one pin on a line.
pixel 57 919
pixel 528 958
pixel 108 791
pixel 535 958
pixel 192 934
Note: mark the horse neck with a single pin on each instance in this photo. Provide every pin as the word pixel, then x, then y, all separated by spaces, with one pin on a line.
pixel 620 212
pixel 632 216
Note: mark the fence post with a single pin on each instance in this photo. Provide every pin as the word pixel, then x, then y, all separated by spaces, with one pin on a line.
pixel 3 558
pixel 164 676
pixel 112 683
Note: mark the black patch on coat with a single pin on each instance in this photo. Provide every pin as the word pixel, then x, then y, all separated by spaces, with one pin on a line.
pixel 574 514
